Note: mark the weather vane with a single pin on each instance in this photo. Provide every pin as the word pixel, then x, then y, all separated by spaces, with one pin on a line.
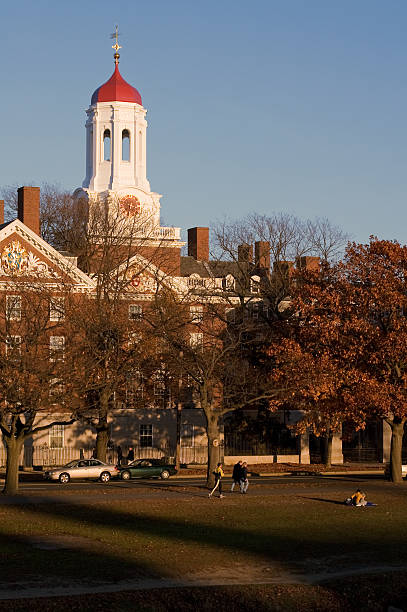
pixel 116 46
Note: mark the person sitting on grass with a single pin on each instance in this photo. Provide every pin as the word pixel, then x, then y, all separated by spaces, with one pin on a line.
pixel 357 499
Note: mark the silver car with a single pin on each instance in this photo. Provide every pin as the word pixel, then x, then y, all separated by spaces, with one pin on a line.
pixel 82 468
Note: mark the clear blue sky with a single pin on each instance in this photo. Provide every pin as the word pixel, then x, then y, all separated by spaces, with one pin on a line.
pixel 288 105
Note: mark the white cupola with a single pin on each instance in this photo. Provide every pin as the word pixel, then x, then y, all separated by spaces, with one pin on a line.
pixel 116 137
pixel 116 130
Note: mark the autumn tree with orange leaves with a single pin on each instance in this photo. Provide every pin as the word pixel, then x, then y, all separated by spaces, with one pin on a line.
pixel 346 342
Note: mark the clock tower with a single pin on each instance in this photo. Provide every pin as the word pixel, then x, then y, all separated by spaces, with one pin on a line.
pixel 116 171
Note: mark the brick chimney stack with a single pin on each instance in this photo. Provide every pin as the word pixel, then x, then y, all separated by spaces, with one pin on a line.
pixel 245 253
pixel 262 255
pixel 29 207
pixel 1 212
pixel 198 243
pixel 308 263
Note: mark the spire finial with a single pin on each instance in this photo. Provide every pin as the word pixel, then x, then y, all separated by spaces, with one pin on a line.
pixel 116 46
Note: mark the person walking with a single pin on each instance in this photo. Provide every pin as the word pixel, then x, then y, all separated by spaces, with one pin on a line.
pixel 130 455
pixel 218 481
pixel 119 455
pixel 237 475
pixel 244 481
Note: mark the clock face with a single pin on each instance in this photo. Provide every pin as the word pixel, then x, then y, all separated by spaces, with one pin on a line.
pixel 130 206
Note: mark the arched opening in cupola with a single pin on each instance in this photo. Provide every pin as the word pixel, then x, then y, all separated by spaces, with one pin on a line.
pixel 106 145
pixel 125 145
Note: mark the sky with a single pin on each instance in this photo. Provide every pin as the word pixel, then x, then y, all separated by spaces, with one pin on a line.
pixel 296 106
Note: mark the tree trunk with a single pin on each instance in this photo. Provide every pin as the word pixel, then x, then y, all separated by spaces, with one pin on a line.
pixel 14 446
pixel 102 438
pixel 213 432
pixel 327 450
pixel 178 438
pixel 102 428
pixel 397 430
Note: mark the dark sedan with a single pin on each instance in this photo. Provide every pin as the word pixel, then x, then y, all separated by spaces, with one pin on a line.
pixel 147 468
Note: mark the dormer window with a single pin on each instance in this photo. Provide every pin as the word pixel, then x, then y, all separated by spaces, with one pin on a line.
pixel 228 283
pixel 106 145
pixel 126 145
pixel 255 284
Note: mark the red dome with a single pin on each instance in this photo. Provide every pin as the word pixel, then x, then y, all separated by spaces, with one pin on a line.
pixel 116 90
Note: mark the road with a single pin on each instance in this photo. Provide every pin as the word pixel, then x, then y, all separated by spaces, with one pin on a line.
pixel 89 491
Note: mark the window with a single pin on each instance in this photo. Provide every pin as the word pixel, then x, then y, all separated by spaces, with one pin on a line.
pixel 134 388
pixel 196 341
pixel 106 145
pixel 57 309
pixel 56 436
pixel 13 307
pixel 187 435
pixel 13 347
pixel 57 348
pixel 255 284
pixel 159 385
pixel 194 280
pixel 56 389
pixel 135 312
pixel 125 145
pixel 228 283
pixel 146 436
pixel 196 314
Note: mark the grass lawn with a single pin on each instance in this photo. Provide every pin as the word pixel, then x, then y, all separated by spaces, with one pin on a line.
pixel 277 539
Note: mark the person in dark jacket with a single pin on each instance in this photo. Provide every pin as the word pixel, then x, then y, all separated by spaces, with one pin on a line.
pixel 119 455
pixel 244 481
pixel 130 455
pixel 237 475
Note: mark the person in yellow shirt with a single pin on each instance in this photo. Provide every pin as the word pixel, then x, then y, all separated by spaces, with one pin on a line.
pixel 218 481
pixel 359 498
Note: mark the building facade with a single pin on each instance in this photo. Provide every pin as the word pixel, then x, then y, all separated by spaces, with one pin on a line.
pixel 116 177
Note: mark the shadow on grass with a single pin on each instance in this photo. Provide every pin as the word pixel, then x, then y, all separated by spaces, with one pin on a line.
pixel 327 501
pixel 278 540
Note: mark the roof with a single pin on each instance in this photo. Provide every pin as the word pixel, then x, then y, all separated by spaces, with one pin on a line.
pixel 116 89
pixel 212 269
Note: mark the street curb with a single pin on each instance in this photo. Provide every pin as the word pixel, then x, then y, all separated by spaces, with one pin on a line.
pixel 267 474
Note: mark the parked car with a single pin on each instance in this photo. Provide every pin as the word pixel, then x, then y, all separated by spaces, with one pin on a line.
pixel 147 468
pixel 82 468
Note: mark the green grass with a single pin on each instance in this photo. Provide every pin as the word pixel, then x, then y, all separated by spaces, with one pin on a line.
pixel 186 537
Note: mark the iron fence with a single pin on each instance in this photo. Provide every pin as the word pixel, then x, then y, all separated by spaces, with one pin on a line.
pixel 43 456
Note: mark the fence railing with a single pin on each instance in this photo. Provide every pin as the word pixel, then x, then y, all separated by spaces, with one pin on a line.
pixel 41 456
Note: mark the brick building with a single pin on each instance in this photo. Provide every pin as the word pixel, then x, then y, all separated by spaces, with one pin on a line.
pixel 116 175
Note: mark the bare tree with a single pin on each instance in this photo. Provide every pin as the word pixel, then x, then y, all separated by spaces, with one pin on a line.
pixel 36 369
pixel 121 254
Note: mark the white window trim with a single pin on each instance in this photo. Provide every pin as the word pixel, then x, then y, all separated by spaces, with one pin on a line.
pixel 13 342
pixel 60 434
pixel 197 314
pixel 135 312
pixel 57 348
pixel 146 435
pixel 13 305
pixel 57 309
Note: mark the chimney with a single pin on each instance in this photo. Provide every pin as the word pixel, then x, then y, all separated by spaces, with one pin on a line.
pixel 262 255
pixel 29 207
pixel 308 263
pixel 1 212
pixel 198 243
pixel 245 253
pixel 283 269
